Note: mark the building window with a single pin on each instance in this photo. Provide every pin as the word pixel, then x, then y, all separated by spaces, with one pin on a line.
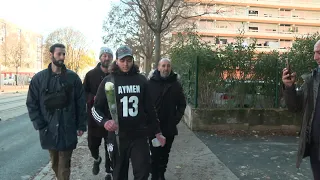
pixel 285 43
pixel 253 29
pixel 285 12
pixel 270 30
pixel 285 28
pixel 294 29
pixel 267 15
pixel 253 13
pixel 221 41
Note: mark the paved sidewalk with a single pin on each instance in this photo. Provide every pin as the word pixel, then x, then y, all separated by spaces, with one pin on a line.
pixel 190 159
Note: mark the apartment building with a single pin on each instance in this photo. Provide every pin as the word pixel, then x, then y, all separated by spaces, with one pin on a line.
pixel 20 50
pixel 273 23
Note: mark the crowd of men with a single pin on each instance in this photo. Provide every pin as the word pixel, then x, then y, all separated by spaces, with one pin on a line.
pixel 148 111
pixel 61 108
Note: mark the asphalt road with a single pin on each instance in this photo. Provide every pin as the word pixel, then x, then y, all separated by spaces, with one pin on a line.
pixel 258 158
pixel 20 153
pixel 12 105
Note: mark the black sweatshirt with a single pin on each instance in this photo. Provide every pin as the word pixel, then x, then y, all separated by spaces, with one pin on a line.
pixel 136 113
pixel 91 83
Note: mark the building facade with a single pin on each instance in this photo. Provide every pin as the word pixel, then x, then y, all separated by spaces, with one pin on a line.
pixel 20 50
pixel 273 23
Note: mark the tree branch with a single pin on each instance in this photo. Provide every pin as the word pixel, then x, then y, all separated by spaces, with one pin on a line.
pixel 166 12
pixel 168 24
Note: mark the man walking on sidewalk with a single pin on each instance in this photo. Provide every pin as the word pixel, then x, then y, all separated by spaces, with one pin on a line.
pixel 57 109
pixel 133 107
pixel 170 103
pixel 96 133
pixel 306 101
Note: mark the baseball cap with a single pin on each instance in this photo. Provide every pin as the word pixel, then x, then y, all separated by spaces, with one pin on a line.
pixel 123 51
pixel 105 50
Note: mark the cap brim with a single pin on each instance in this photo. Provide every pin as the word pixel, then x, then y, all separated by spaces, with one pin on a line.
pixel 125 55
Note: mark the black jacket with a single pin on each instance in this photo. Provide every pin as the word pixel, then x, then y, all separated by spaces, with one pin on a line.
pixel 133 103
pixel 91 83
pixel 58 128
pixel 169 100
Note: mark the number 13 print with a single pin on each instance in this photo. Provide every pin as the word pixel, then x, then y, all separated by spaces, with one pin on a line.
pixel 125 104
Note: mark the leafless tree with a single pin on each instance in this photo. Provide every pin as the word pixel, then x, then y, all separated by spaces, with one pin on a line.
pixel 76 47
pixel 160 15
pixel 14 49
pixel 123 26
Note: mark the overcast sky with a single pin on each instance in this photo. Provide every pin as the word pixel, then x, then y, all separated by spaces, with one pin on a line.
pixel 44 16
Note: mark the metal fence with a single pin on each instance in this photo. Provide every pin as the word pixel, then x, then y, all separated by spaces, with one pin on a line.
pixel 212 88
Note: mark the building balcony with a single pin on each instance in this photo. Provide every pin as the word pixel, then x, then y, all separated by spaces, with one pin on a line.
pixel 261 44
pixel 222 32
pixel 258 19
pixel 287 4
pixel 260 48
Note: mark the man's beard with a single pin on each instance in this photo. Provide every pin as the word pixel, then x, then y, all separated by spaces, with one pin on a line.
pixel 105 64
pixel 164 75
pixel 58 63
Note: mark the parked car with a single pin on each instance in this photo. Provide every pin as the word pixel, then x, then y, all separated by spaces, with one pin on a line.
pixel 9 81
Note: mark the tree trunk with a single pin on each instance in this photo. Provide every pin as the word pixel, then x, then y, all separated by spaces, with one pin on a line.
pixel 157 47
pixel 148 58
pixel 147 64
pixel 16 76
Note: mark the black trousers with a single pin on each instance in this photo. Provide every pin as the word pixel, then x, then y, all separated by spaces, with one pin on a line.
pixel 314 161
pixel 94 144
pixel 138 151
pixel 160 157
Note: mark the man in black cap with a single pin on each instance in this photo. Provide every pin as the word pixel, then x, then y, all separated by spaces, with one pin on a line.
pixel 96 133
pixel 135 114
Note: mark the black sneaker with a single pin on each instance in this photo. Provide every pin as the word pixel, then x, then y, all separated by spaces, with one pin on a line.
pixel 108 176
pixel 96 164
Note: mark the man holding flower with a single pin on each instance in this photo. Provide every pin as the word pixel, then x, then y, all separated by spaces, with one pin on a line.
pixel 133 106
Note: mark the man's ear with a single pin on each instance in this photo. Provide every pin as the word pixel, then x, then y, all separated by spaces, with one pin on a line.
pixel 51 54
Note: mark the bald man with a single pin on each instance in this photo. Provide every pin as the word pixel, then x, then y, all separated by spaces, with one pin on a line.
pixel 306 101
pixel 169 100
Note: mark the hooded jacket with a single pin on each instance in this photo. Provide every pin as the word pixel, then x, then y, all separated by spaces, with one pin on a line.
pixel 91 83
pixel 169 100
pixel 136 112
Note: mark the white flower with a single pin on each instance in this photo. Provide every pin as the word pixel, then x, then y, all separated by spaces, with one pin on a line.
pixel 109 86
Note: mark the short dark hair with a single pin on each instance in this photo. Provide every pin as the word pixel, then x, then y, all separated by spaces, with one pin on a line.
pixel 57 45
